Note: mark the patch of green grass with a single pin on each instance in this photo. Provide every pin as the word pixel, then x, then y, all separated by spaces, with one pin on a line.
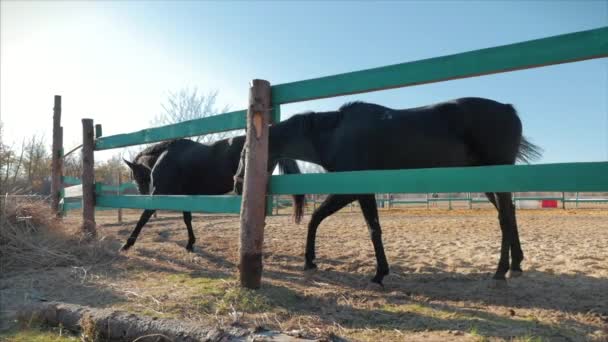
pixel 242 300
pixel 476 335
pixel 427 311
pixel 528 339
pixel 36 335
pixel 202 285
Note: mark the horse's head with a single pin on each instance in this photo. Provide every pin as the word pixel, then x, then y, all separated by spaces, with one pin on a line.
pixel 141 175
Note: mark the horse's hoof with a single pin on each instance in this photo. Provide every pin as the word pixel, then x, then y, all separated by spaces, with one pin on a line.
pixel 375 286
pixel 190 249
pixel 310 266
pixel 377 280
pixel 124 249
pixel 498 284
pixel 515 273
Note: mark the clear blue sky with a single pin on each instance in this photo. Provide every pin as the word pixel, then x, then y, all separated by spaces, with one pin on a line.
pixel 116 61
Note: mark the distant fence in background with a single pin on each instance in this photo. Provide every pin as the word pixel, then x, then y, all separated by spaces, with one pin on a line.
pixel 470 200
pixel 71 195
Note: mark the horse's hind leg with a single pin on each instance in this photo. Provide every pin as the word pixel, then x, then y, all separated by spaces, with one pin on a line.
pixel 145 216
pixel 370 212
pixel 331 204
pixel 517 255
pixel 191 238
pixel 506 216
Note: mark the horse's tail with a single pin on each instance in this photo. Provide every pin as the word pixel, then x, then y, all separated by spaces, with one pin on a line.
pixel 290 166
pixel 528 152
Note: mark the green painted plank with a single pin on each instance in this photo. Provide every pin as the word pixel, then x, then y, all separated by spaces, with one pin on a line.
pixel 534 53
pixel 72 205
pixel 70 180
pixel 109 187
pixel 98 131
pixel 567 177
pixel 208 204
pixel 126 186
pixel 116 188
pixel 211 124
pixel 104 209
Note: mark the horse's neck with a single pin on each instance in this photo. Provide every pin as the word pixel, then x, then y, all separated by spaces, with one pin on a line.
pixel 298 138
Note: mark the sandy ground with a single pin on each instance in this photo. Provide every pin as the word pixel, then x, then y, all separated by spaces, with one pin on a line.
pixel 441 264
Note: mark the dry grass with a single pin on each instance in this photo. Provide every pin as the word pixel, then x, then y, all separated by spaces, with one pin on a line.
pixel 33 239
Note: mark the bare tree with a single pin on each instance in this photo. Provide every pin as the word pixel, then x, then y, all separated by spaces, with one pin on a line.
pixel 189 104
pixel 107 171
pixel 72 165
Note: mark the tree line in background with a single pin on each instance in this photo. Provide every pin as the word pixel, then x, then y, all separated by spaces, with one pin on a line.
pixel 25 168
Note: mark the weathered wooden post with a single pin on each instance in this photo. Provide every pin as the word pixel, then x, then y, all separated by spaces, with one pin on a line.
pixel 88 179
pixel 57 157
pixel 253 207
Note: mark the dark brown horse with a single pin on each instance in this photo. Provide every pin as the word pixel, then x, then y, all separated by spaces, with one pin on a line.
pixel 185 167
pixel 365 136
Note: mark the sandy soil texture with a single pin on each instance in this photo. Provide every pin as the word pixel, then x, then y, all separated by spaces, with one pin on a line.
pixel 441 264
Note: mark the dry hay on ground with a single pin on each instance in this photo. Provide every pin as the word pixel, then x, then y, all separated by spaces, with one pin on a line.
pixel 441 262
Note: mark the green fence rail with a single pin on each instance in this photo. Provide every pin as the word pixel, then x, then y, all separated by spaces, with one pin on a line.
pixel 70 180
pixel 208 204
pixel 569 177
pixel 212 124
pixel 530 54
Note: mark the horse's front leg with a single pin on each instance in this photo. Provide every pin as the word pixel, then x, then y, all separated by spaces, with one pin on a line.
pixel 331 204
pixel 145 216
pixel 191 238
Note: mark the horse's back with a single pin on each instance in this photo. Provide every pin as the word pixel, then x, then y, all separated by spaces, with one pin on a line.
pixel 460 132
pixel 192 168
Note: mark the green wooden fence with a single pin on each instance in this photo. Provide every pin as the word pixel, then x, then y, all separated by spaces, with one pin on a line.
pixel 212 204
pixel 521 178
pixel 73 203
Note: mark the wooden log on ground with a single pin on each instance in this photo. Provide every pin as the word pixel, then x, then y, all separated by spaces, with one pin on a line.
pixel 88 178
pixel 253 207
pixel 110 325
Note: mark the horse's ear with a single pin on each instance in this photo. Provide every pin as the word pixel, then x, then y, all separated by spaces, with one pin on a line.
pixel 131 165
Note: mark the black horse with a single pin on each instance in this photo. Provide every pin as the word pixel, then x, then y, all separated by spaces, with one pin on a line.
pixel 365 136
pixel 185 167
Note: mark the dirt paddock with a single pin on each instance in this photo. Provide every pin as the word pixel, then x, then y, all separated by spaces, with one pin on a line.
pixel 441 264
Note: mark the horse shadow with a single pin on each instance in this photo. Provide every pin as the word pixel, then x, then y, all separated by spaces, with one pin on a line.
pixel 414 315
pixel 572 293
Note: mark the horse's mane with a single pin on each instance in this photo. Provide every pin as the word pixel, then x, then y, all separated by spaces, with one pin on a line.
pixel 356 106
pixel 154 150
pixel 350 105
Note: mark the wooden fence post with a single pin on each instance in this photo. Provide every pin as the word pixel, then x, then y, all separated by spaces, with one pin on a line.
pixel 88 179
pixel 57 158
pixel 253 207
pixel 118 193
